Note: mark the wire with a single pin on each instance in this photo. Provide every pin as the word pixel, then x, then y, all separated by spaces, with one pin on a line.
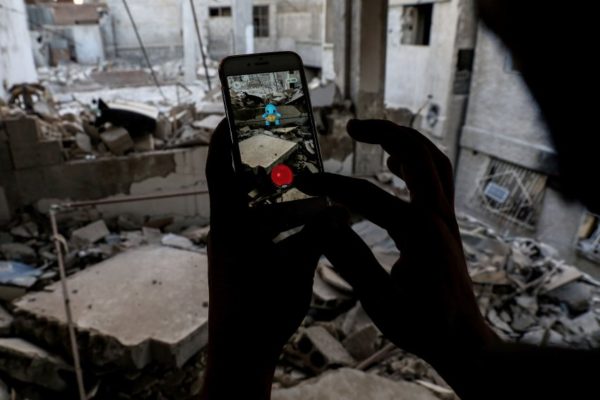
pixel 200 43
pixel 139 38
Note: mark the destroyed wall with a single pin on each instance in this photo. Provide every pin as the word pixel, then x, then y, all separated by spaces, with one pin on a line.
pixel 16 59
pixel 159 23
pixel 293 26
pixel 504 129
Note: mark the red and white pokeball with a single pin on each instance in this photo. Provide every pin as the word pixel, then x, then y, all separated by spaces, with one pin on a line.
pixel 282 175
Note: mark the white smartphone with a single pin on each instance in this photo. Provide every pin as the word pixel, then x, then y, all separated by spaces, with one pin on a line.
pixel 272 126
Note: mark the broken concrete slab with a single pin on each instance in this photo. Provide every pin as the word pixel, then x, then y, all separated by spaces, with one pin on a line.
pixel 142 306
pixel 90 233
pixel 265 151
pixel 350 384
pixel 29 363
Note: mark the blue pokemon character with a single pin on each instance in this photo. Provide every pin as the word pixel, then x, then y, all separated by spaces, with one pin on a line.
pixel 271 115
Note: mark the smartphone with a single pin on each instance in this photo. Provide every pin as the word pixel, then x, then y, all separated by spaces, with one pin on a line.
pixel 272 126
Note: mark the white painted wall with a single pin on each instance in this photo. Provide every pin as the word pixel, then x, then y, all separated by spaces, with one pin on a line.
pixel 500 103
pixel 159 23
pixel 415 72
pixel 16 57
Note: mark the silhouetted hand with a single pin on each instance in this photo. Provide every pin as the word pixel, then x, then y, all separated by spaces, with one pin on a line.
pixel 259 291
pixel 426 305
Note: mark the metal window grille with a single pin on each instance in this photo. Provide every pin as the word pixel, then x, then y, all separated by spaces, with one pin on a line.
pixel 512 193
pixel 261 21
pixel 219 11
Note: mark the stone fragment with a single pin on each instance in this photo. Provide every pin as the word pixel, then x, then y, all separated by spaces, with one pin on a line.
pixel 117 140
pixel 178 242
pixel 29 363
pixel 209 123
pixel 27 230
pixel 83 142
pixel 197 234
pixel 90 233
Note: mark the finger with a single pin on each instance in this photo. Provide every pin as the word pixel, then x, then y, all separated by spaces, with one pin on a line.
pixel 426 170
pixel 359 195
pixel 225 193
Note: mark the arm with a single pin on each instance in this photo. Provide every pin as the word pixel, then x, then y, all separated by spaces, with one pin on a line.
pixel 259 291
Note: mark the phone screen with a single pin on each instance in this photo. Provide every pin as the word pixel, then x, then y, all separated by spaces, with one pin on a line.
pixel 275 133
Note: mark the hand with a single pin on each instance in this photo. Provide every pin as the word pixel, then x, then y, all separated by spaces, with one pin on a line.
pixel 259 291
pixel 426 305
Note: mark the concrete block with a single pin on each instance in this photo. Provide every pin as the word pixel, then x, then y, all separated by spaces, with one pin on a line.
pixel 117 140
pixel 42 154
pixel 139 307
pixel 319 350
pixel 20 131
pixel 90 233
pixel 29 363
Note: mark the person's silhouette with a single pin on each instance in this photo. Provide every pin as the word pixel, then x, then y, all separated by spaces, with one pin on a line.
pixel 259 291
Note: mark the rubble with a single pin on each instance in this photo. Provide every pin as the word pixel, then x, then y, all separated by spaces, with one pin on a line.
pixel 117 140
pixel 29 363
pixel 318 350
pixel 350 384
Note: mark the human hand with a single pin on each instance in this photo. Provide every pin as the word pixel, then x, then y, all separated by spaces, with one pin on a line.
pixel 260 291
pixel 426 305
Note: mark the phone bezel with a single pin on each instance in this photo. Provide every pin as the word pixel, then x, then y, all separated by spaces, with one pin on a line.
pixel 263 63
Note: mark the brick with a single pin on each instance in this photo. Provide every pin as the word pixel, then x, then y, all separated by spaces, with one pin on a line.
pixel 318 350
pixel 33 155
pixel 90 233
pixel 117 140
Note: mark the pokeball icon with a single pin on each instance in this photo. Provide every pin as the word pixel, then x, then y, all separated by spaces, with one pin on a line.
pixel 282 175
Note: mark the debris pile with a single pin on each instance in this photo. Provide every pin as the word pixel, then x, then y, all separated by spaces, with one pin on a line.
pixel 37 132
pixel 525 292
pixel 121 354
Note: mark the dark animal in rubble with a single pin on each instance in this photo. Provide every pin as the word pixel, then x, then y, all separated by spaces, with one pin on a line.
pixel 135 123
